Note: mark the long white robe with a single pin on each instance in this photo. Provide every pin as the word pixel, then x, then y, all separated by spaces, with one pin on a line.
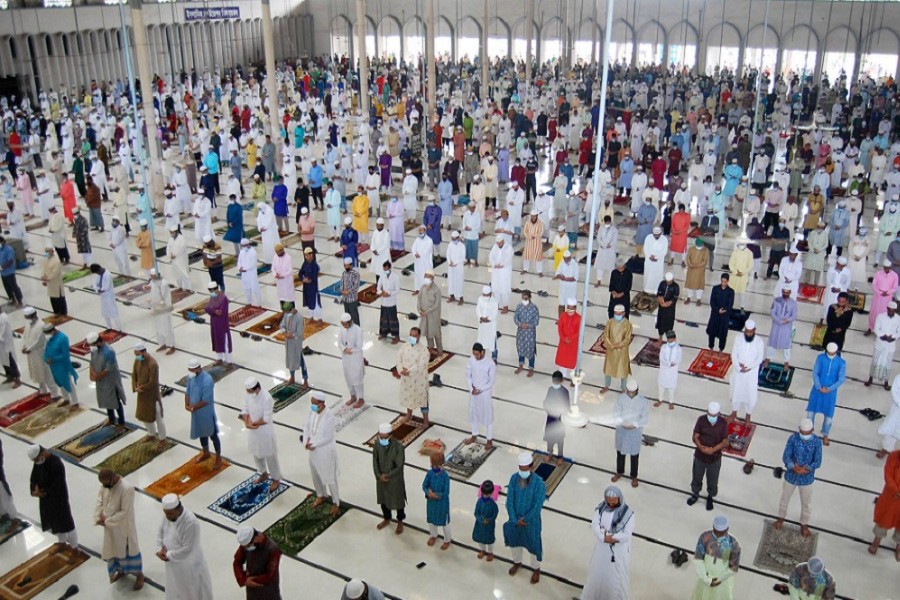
pixel 789 276
pixel 487 308
pixel 890 427
pixel 187 575
pixel 353 363
pixel 608 579
pixel 456 258
pixel 883 354
pixel 176 249
pixel 172 210
pixel 202 218
pixel 669 362
pixel 320 432
pixel 103 285
pixel 161 307
pixel 654 269
pixel 744 386
pixel 500 261
pixel 380 245
pixel 182 190
pixel 7 343
pixel 408 189
pixel 480 374
pixel 265 220
pixel 567 289
pixel 836 279
pixel 260 441
pixel 607 241
pixel 423 254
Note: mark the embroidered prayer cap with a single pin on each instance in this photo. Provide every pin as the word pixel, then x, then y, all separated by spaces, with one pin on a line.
pixel 307 250
pixel 720 523
pixel 32 451
pixel 750 324
pixel 140 346
pixel 348 260
pixel 571 302
pixel 806 424
pixel 567 254
pixel 48 327
pixel 28 311
pixel 245 242
pixel 385 428
pixel 143 222
pixel 304 210
pixel 379 221
pixel 842 260
pixel 631 385
pixel 657 230
pixel 207 239
pixel 250 383
pixel 170 501
pixel 245 534
pixel 346 318
pixel 618 309
pixel 525 459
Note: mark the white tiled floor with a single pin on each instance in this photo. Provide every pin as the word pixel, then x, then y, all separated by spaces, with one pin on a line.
pixel 849 478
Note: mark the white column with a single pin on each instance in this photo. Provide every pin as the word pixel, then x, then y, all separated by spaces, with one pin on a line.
pixel 485 59
pixel 269 50
pixel 361 27
pixel 431 71
pixel 145 74
pixel 529 35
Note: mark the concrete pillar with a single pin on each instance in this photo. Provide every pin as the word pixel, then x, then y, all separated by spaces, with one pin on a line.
pixel 363 58
pixel 529 35
pixel 594 33
pixel 564 37
pixel 485 59
pixel 431 70
pixel 145 75
pixel 268 31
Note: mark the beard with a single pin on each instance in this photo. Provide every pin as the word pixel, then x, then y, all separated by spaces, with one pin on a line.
pixel 749 338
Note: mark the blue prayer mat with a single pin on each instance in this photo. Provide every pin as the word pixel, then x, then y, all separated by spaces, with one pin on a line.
pixel 333 290
pixel 89 441
pixel 246 500
pixel 549 471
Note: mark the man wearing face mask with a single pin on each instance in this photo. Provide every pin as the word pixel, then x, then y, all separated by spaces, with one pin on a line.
pixel 710 437
pixel 219 328
pixel 256 564
pixel 526 318
pixel 199 400
pixel 888 229
pixel 655 247
pixel 858 255
pixel 318 440
pixel 810 581
pixel 423 253
pixel 257 415
pixel 350 341
pixel 556 405
pixel 613 525
pixel 617 336
pixel 838 226
pixel 480 378
pixel 630 416
pixel 500 261
pixel 388 457
pixel 746 356
pixel 48 485
pixel 717 560
pixel 114 512
pixel 104 372
pixel 670 355
pixel 145 382
pixel 179 546
pixel 802 456
pixel 829 374
pixel 525 497
pixel 412 371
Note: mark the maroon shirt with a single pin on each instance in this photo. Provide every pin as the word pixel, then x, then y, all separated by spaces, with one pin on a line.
pixel 710 435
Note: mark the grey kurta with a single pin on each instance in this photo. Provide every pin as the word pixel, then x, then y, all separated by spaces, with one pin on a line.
pixel 293 346
pixel 630 411
pixel 430 301
pixel 388 460
pixel 109 388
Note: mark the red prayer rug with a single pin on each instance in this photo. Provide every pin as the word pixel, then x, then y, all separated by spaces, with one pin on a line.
pixel 711 364
pixel 179 294
pixel 108 335
pixel 435 363
pixel 739 437
pixel 244 314
pixel 18 410
pixel 368 294
pixel 360 248
pixel 811 293
pixel 599 347
pixel 398 254
pixel 649 354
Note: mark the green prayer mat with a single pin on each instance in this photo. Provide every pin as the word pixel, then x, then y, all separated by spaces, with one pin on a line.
pixel 131 458
pixel 120 280
pixel 296 530
pixel 73 275
pixel 285 394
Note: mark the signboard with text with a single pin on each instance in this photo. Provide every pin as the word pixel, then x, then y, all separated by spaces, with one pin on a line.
pixel 212 13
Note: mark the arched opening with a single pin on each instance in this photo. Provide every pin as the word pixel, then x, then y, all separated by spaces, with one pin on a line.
pixel 762 49
pixel 723 50
pixel 414 40
pixel 799 51
pixel 683 42
pixel 498 38
pixel 588 33
pixel 341 36
pixel 621 45
pixel 443 39
pixel 840 56
pixel 389 41
pixel 551 42
pixel 469 37
pixel 651 44
pixel 879 56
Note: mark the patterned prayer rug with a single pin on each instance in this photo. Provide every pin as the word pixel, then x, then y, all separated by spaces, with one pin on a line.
pixel 131 458
pixel 134 292
pixel 38 573
pixel 297 529
pixel 58 320
pixel 464 460
pixel 120 280
pixel 217 372
pixel 644 303
pixel 549 471
pixel 775 377
pixel 179 294
pixel 75 275
pixel 244 314
pixel 360 248
pixel 737 319
pixel 186 478
pixel 711 364
pixel 599 347
pixel 810 293
pixel 8 531
pixel 284 394
pixel 398 254
pixel 251 233
pixel 649 354
pixel 267 326
pixel 368 294
pixel 44 420
pixel 435 363
pixel 817 338
pixel 857 301
pixel 18 410
pixel 739 438
pixel 197 310
pixel 332 289
pixel 245 500
pixel 780 550
pixel 310 327
pixel 405 433
pixel 90 440
pixel 34 224
pixel 344 414
pixel 109 336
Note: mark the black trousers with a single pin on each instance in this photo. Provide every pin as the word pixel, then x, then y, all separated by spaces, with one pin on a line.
pixel 770 219
pixel 711 471
pixel 386 513
pixel 117 415
pixel 217 274
pixel 318 198
pixel 11 287
pixel 352 309
pixel 11 371
pixel 722 340
pixel 217 445
pixel 63 254
pixel 620 464
pixel 59 306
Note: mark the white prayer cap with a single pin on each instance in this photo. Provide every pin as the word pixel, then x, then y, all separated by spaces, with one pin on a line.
pixel 193 364
pixel 657 229
pixel 32 451
pixel 379 221
pixel 887 263
pixel 346 318
pixel 409 171
pixel 631 385
pixel 48 327
pixel 170 501
pixel 567 254
pixel 173 228
pixel 152 272
pixel 842 260
pixel 794 249
pixel 713 408
pixel 348 260
pixel 250 383
pixel 245 534
pixel 454 235
pixel 831 348
pixel 561 228
pixel 669 276
pixel 212 285
pixel 618 309
pixel 786 287
pixel 429 273
pixel 720 523
pixel 317 395
pixel 28 311
pixel 245 242
pixel 806 425
pixel 525 459
pixel 571 302
pixel 534 213
pixel 143 223
pixel 92 337
pixel 354 589
pixel 486 290
pixel 304 210
pixel 347 221
pixel 140 346
pixel 207 239
pixel 750 324
pixel 816 565
pixel 385 428
pixel 892 305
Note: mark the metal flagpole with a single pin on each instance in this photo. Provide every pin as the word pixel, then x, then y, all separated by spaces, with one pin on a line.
pixel 575 418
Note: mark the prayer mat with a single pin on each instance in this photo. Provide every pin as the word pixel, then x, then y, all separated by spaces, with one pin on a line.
pixel 251 233
pixel 34 225
pixel 160 252
pixel 810 293
pixel 368 294
pixel 397 254
pixel 404 432
pixel 599 347
pixel 857 301
pixel 248 206
pixel 73 275
pixel 38 573
pixel 545 247
pixel 438 261
pixel 297 529
pixel 817 338
pixel 711 364
pixel 197 310
pixel 186 478
pixel 284 394
pixel 549 471
pixel 644 303
pixel 120 280
pixel 775 377
pixel 44 420
pixel 9 531
pixel 263 269
pixel 244 314
pixel 780 550
pixel 267 326
pixel 195 256
pixel 621 200
pixel 179 294
pixel 229 261
pixel 345 414
pixel 109 336
pixel 310 327
pixel 583 259
pixel 737 318
pixel 217 372
pixel 90 440
pixel 58 320
pixel 360 248
pixel 739 438
pixel 290 240
pixel 435 363
pixel 245 500
pixel 649 354
pixel 18 410
pixel 134 292
pixel 131 458
pixel 464 460
pixel 332 289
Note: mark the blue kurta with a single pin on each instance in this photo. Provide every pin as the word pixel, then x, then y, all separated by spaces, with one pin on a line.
pixel 235 219
pixel 485 510
pixel 840 220
pixel 733 174
pixel 626 171
pixel 437 511
pixel 203 420
pixel 828 373
pixel 803 453
pixel 525 503
pixel 432 222
pixel 350 238
pixel 526 339
pixel 310 270
pixel 646 217
pixel 56 354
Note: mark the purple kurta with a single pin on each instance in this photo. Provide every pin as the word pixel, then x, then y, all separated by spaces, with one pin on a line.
pixel 395 224
pixel 782 310
pixel 384 164
pixel 432 222
pixel 503 165
pixel 882 283
pixel 219 330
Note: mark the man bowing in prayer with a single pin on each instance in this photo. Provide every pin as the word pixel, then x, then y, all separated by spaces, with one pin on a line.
pixel 746 356
pixel 810 581
pixel 256 564
pixel 114 512
pixel 388 457
pixel 717 558
pixel 48 485
pixel 524 500
pixel 319 440
pixel 613 525
pixel 178 545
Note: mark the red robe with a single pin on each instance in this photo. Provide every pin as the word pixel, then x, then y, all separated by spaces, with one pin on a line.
pixel 67 193
pixel 681 224
pixel 567 352
pixel 518 174
pixel 658 167
pixel 887 507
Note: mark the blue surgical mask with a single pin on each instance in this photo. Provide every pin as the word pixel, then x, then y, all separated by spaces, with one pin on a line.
pixel 618 317
pixel 213 294
pixel 671 344
pixel 412 340
pixel 384 441
pixel 314 408
pixel 139 357
pixel 712 419
pixel 806 436
pixel 524 474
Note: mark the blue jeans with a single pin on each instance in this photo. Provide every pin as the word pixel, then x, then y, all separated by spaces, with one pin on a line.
pixel 530 361
pixel 826 425
pixel 609 381
pixel 303 370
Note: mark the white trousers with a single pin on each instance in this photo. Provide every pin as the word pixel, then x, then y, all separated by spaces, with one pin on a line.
pixel 157 428
pixel 771 352
pixel 121 258
pixel 253 294
pixel 667 395
pixel 268 464
pixel 694 294
pixel 446 534
pixel 69 537
pixel 165 336
pixel 356 391
pixel 7 505
pixel 888 443
pixel 517 555
pixel 538 266
pixel 72 396
pixel 323 490
pixel 224 357
pixel 489 548
pixel 488 430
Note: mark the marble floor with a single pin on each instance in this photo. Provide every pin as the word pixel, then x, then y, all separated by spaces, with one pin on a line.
pixel 404 566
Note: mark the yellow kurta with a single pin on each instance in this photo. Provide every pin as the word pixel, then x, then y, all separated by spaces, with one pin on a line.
pixel 360 206
pixel 251 155
pixel 740 261
pixel 697 259
pixel 145 244
pixel 618 360
pixel 560 245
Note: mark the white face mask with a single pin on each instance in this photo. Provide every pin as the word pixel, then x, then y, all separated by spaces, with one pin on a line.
pixel 426 282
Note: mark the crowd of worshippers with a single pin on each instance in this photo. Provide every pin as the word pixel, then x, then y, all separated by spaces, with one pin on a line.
pixel 693 165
